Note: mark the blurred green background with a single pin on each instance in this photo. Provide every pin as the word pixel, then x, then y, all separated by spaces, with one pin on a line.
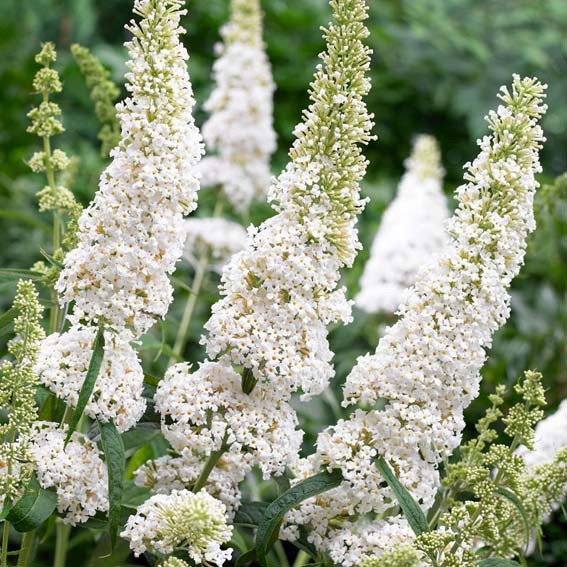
pixel 437 66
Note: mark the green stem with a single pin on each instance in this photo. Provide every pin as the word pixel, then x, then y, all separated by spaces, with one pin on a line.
pixel 61 544
pixel 200 273
pixel 210 464
pixel 51 181
pixel 26 549
pixel 301 559
pixel 54 315
pixel 181 337
pixel 5 538
pixel 280 553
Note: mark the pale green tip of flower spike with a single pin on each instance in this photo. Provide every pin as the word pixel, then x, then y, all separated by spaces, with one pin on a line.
pixel 27 326
pixel 103 92
pixel 174 562
pixel 425 159
pixel 402 556
pixel 45 117
pixel 47 55
pixel 245 24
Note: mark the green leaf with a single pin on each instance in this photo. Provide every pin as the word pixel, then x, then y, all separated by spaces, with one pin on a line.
pixel 7 317
pixel 509 495
pixel 140 435
pixel 5 509
pixel 139 458
pixel 133 496
pixel 8 275
pixel 497 562
pixel 33 508
pixel 250 514
pixel 24 218
pixel 51 259
pixel 246 558
pixel 116 463
pixel 412 512
pixel 151 380
pixel 89 383
pixel 268 528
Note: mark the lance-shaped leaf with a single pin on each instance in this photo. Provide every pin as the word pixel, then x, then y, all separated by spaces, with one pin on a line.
pixel 89 382
pixel 497 562
pixel 250 514
pixel 268 528
pixel 412 512
pixel 33 508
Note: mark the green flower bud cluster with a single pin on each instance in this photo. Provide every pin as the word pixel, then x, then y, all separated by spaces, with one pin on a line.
pixel 44 120
pixel 103 93
pixel 17 390
pixel 551 193
pixel 57 199
pixel 401 556
pixel 174 562
pixel 59 161
pixel 54 197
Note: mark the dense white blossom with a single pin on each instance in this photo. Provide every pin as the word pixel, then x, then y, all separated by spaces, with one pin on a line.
pixel 132 234
pixel 168 473
pixel 62 367
pixel 206 409
pixel 280 292
pixel 217 238
pixel 269 331
pixel 76 471
pixel 182 520
pixel 240 126
pixel 411 231
pixel 426 367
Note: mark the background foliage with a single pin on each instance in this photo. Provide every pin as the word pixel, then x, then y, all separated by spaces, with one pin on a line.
pixel 437 65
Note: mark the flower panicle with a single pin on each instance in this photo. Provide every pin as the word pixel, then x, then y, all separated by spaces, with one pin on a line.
pixel 103 92
pixel 427 365
pixel 245 24
pixel 334 127
pixel 18 382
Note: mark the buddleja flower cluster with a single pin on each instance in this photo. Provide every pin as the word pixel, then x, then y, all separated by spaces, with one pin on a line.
pixel 75 470
pixel 131 235
pixel 268 332
pixel 411 231
pixel 550 437
pixel 280 292
pixel 17 393
pixel 426 367
pixel 240 126
pixel 182 520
